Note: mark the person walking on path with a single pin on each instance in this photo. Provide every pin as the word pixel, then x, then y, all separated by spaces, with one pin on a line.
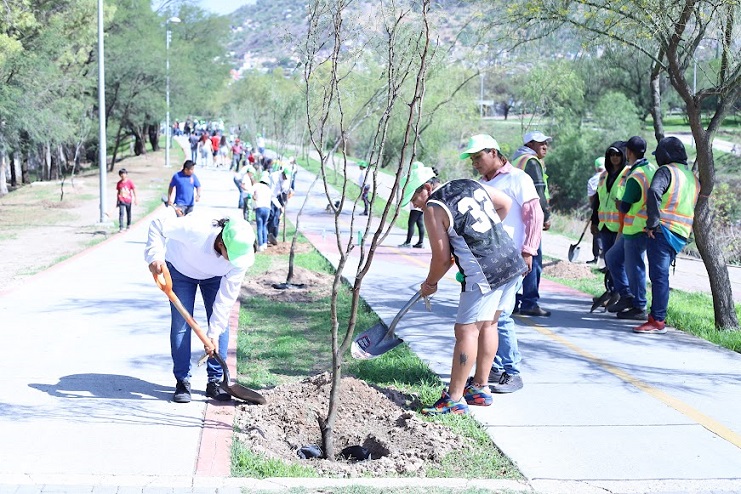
pixel 524 223
pixel 415 220
pixel 605 216
pixel 599 167
pixel 263 198
pixel 193 140
pixel 212 256
pixel 529 158
pixel 670 206
pixel 364 186
pixel 205 150
pixel 125 195
pixel 187 189
pixel 237 151
pixel 632 208
pixel 463 222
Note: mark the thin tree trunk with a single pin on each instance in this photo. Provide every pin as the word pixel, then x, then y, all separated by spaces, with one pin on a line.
pixel 658 119
pixel 3 173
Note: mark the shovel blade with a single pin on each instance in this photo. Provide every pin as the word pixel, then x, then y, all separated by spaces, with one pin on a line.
pixel 574 252
pixel 374 342
pixel 237 390
pixel 245 394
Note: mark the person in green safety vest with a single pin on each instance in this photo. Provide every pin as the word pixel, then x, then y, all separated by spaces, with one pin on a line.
pixel 529 158
pixel 605 216
pixel 633 221
pixel 670 208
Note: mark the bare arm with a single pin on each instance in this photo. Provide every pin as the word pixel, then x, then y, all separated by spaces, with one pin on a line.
pixel 436 223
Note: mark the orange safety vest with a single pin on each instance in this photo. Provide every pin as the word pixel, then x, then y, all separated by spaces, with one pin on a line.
pixel 678 202
pixel 608 213
pixel 635 220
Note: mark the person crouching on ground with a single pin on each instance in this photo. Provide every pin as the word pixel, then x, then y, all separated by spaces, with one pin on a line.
pixel 212 255
pixel 462 218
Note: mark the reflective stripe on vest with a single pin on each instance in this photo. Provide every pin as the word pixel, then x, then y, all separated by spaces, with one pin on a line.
pixel 678 202
pixel 608 213
pixel 635 219
pixel 521 161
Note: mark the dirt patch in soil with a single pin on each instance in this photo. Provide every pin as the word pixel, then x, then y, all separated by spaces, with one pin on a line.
pixel 567 270
pixel 305 286
pixel 398 440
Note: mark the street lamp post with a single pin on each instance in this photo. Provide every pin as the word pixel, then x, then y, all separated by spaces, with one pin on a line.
pixel 102 160
pixel 168 131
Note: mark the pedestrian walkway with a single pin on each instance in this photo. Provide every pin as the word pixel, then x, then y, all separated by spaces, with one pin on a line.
pixel 86 383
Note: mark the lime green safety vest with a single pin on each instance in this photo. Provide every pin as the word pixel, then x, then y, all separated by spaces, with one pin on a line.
pixel 608 213
pixel 635 219
pixel 522 160
pixel 678 202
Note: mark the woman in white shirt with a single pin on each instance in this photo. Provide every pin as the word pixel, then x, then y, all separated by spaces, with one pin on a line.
pixel 210 255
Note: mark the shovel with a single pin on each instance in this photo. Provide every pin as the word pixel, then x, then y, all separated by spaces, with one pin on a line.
pixel 164 281
pixel 574 248
pixel 379 339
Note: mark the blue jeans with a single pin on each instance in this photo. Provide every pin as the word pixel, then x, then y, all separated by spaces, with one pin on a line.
pixel 531 282
pixel 635 268
pixel 274 220
pixel 660 256
pixel 508 354
pixel 194 155
pixel 185 288
pixel 261 220
pixel 615 261
pixel 124 208
pixel 607 239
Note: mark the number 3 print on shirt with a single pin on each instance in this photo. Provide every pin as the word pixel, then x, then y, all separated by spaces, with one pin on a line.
pixel 481 208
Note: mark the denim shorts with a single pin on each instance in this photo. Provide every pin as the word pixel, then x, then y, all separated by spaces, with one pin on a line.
pixel 475 306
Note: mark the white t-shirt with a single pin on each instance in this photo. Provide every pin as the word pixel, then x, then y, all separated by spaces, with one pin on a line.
pixel 592 184
pixel 520 188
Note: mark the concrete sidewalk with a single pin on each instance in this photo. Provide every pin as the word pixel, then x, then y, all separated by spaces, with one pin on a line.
pixel 85 390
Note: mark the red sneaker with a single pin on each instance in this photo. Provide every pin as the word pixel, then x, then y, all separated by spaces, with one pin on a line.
pixel 652 326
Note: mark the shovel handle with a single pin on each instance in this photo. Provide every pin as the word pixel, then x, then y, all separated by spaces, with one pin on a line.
pixel 164 282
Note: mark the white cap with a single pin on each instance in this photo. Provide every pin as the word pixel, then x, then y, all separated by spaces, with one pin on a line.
pixel 536 136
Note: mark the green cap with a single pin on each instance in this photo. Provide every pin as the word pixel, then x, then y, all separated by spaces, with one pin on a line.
pixel 362 164
pixel 239 239
pixel 478 143
pixel 599 163
pixel 417 176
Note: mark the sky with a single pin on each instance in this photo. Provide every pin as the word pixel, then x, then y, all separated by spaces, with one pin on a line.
pixel 223 7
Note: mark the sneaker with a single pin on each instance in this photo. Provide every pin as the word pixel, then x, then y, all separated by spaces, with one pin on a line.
pixel 419 245
pixel 182 392
pixel 624 303
pixel 535 311
pixel 405 245
pixel 652 326
pixel 495 375
pixel 446 405
pixel 634 313
pixel 509 383
pixel 214 391
pixel 474 395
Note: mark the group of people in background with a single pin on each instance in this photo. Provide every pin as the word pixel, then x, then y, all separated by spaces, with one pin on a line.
pixel 642 211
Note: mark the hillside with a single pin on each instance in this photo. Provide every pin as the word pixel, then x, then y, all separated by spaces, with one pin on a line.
pixel 270 33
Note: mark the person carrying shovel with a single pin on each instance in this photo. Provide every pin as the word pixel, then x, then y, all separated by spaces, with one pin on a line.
pixel 463 221
pixel 210 255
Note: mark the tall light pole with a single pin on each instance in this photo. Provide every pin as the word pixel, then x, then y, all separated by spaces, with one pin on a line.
pixel 102 161
pixel 168 131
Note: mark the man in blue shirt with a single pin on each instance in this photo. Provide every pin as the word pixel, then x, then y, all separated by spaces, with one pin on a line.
pixel 187 189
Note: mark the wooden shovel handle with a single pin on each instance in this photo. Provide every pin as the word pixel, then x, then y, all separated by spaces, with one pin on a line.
pixel 164 281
